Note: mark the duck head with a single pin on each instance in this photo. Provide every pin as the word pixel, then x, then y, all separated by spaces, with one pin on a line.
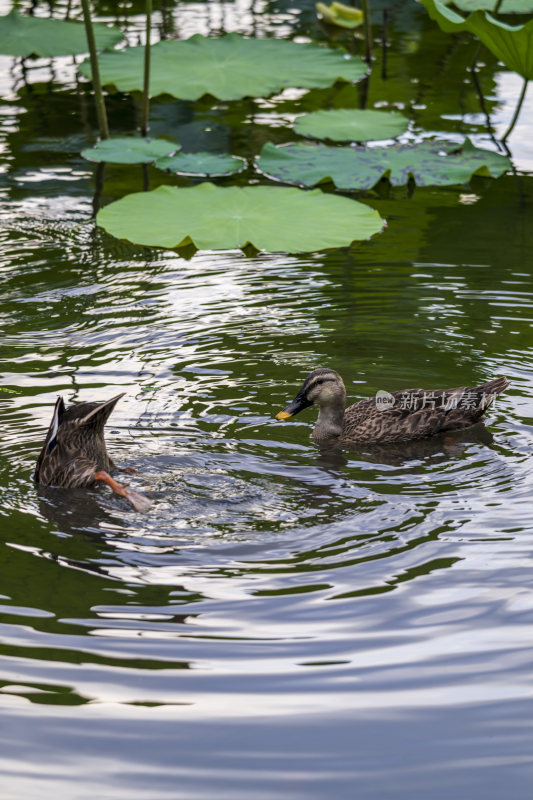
pixel 323 387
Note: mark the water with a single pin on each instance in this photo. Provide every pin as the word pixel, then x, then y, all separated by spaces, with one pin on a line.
pixel 284 621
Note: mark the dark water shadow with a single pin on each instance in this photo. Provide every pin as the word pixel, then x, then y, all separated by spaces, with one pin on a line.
pixel 79 511
pixel 443 447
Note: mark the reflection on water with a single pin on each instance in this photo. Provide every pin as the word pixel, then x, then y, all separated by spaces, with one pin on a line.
pixel 326 619
pixel 271 579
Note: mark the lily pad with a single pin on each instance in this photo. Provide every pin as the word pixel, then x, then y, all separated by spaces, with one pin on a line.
pixel 507 7
pixel 270 218
pixel 39 36
pixel 229 67
pixel 201 164
pixel 429 163
pixel 130 150
pixel 511 44
pixel 341 15
pixel 355 125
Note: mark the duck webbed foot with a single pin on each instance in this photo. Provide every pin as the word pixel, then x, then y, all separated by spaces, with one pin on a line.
pixel 138 501
pixel 127 470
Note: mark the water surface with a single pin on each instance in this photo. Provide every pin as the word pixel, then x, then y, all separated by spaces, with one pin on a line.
pixel 284 621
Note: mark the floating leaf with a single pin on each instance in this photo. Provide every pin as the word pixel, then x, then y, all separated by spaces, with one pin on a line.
pixel 341 15
pixel 229 67
pixel 355 125
pixel 429 163
pixel 39 36
pixel 201 164
pixel 511 44
pixel 130 150
pixel 507 7
pixel 270 218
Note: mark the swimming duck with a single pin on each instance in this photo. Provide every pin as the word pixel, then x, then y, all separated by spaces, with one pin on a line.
pixel 389 417
pixel 74 452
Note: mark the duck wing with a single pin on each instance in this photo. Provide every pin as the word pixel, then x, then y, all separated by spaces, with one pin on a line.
pixel 417 413
pixel 473 404
pixel 91 415
pixel 43 466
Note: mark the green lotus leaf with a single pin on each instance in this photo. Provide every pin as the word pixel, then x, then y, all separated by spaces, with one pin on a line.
pixel 39 36
pixel 341 15
pixel 229 67
pixel 270 218
pixel 201 164
pixel 355 125
pixel 130 150
pixel 507 7
pixel 511 44
pixel 429 163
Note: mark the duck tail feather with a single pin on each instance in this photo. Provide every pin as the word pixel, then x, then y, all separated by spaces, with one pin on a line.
pixel 496 386
pixel 488 392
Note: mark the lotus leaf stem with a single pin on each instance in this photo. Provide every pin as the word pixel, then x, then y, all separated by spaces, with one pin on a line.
pixel 368 30
pixel 146 90
pixel 98 187
pixel 517 110
pixel 97 86
pixel 384 43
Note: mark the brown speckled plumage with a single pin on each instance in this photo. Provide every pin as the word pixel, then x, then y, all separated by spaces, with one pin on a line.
pixel 75 447
pixel 74 453
pixel 408 414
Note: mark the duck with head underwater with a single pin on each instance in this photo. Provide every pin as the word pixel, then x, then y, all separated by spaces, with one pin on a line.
pixel 403 415
pixel 74 453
